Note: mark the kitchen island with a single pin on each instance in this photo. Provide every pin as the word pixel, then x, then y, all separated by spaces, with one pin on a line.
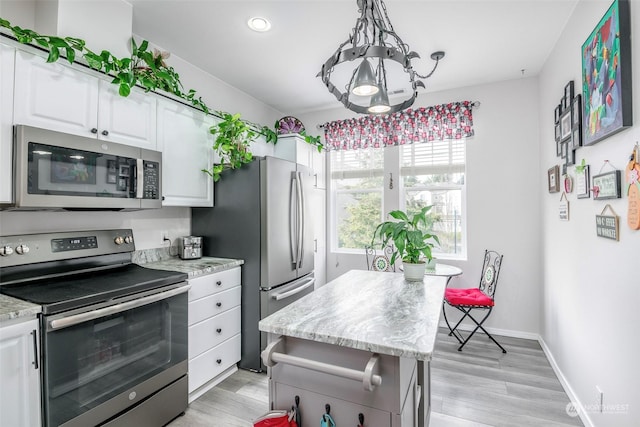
pixel 362 344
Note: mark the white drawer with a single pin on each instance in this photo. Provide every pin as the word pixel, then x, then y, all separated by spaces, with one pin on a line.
pixel 213 331
pixel 212 363
pixel 213 305
pixel 213 283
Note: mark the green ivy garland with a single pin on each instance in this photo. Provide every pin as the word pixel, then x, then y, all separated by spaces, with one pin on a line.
pixel 148 69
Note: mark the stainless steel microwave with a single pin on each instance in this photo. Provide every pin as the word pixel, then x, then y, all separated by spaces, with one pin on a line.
pixel 54 170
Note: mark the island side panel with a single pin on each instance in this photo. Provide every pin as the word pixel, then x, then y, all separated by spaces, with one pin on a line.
pixel 396 396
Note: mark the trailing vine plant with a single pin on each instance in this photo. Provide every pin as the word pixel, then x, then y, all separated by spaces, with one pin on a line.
pixel 144 67
pixel 148 69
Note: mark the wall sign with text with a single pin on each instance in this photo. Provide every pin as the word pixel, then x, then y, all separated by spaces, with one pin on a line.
pixel 608 226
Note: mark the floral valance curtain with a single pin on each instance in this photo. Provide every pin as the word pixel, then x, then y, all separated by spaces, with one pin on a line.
pixel 424 124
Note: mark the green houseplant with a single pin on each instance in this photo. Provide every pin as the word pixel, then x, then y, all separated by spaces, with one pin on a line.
pixel 412 240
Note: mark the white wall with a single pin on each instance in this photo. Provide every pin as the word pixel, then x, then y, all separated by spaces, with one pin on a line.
pixel 146 223
pixel 503 197
pixel 591 285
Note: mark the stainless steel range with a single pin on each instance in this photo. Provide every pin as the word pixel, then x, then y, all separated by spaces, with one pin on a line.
pixel 113 333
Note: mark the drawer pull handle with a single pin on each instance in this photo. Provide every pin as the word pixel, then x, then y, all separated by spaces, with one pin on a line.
pixel 219 361
pixel 218 304
pixel 94 130
pixel 219 282
pixel 105 132
pixel 219 330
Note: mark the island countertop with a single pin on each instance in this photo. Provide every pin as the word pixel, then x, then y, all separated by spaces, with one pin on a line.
pixel 367 310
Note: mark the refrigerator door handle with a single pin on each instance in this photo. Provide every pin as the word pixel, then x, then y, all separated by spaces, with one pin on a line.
pixel 294 291
pixel 293 220
pixel 301 220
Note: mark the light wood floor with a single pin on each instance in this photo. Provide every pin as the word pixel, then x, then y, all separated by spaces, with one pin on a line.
pixel 477 387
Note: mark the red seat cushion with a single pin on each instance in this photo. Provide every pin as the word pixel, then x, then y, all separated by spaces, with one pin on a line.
pixel 473 296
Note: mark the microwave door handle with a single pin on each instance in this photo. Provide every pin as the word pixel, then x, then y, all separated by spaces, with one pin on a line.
pixel 139 183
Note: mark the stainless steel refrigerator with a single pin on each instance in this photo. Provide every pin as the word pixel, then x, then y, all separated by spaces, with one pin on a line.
pixel 262 215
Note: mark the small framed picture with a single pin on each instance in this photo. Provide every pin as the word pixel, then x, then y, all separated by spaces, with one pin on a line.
pixel 576 111
pixel 563 150
pixel 576 137
pixel 553 179
pixel 565 125
pixel 582 182
pixel 570 159
pixel 556 114
pixel 568 91
pixel 606 185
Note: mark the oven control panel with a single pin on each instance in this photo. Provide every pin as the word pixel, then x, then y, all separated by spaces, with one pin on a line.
pixel 73 243
pixel 32 248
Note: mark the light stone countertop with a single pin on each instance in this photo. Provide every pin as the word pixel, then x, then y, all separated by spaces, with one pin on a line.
pixel 194 267
pixel 12 308
pixel 367 310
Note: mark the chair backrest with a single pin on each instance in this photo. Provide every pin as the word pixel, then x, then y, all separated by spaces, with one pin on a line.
pixel 379 261
pixel 490 272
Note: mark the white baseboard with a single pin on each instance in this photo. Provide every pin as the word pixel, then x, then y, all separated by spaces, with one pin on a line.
pixel 584 416
pixel 503 332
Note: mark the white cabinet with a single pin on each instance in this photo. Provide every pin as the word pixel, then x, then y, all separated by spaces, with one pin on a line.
pixel 214 329
pixel 7 56
pixel 294 148
pixel 127 120
pixel 186 145
pixel 319 166
pixel 318 206
pixel 19 374
pixel 58 97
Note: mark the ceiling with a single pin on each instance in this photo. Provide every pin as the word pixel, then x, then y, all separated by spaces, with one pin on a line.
pixel 485 41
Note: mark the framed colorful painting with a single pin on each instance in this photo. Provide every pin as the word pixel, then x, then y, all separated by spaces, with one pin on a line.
pixel 606 75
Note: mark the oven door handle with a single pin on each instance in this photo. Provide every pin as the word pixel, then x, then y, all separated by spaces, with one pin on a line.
pixel 107 311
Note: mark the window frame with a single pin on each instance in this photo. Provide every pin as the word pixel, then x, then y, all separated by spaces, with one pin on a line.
pixel 394 197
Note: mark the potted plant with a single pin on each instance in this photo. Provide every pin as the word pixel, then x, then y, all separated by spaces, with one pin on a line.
pixel 412 240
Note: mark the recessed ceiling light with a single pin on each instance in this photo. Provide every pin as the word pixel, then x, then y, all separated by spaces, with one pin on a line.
pixel 259 24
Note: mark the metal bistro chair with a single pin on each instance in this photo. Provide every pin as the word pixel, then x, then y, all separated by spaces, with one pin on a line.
pixel 480 298
pixel 379 261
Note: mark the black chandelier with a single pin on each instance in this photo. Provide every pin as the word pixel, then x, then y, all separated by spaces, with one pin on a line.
pixel 373 38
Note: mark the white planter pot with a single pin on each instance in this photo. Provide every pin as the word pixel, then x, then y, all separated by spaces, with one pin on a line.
pixel 414 272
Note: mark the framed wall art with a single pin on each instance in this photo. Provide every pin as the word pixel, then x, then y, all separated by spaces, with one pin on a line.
pixel 553 179
pixel 606 75
pixel 583 191
pixel 565 125
pixel 606 185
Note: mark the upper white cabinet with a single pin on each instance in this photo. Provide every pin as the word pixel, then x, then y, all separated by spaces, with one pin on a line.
pixel 19 374
pixel 294 148
pixel 186 145
pixel 58 97
pixel 7 56
pixel 127 120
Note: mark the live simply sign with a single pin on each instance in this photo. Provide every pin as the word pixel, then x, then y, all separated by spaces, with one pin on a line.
pixel 607 226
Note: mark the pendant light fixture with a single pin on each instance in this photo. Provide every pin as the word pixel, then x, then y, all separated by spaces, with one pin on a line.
pixel 373 38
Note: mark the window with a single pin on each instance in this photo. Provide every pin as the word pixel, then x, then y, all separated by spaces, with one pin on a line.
pixel 356 182
pixel 431 173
